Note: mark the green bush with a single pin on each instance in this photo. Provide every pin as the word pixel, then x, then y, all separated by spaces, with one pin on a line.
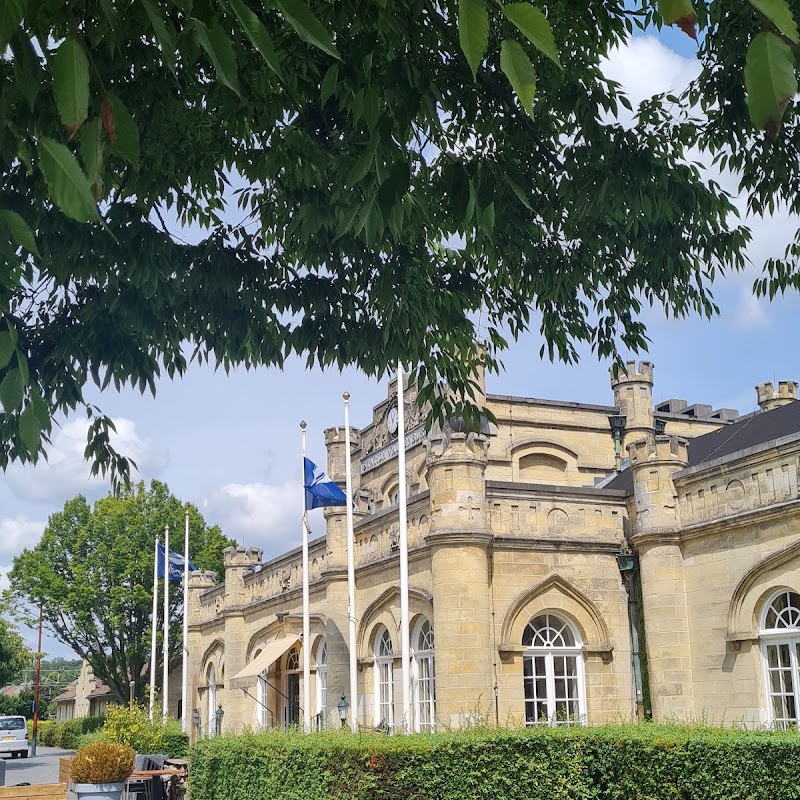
pixel 132 726
pixel 68 734
pixel 647 762
pixel 90 738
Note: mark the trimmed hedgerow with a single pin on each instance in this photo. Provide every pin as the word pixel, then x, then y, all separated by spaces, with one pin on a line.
pixel 647 762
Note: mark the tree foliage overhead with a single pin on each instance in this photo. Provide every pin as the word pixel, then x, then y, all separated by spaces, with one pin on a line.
pixel 92 574
pixel 15 655
pixel 369 179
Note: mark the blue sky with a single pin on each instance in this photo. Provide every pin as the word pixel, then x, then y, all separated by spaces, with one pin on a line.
pixel 231 444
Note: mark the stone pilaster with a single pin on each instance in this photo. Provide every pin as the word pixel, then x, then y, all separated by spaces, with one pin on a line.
pixel 633 396
pixel 199 582
pixel 459 540
pixel 656 536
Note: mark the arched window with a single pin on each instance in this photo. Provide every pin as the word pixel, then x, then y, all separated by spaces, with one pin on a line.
pixel 424 678
pixel 322 683
pixel 553 673
pixel 780 648
pixel 291 714
pixel 212 701
pixel 384 679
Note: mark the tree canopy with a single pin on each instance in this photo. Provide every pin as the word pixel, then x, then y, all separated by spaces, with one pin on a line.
pixel 15 655
pixel 92 574
pixel 360 182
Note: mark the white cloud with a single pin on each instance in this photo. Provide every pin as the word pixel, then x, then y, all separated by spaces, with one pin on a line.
pixel 4 568
pixel 259 514
pixel 17 533
pixel 645 67
pixel 66 473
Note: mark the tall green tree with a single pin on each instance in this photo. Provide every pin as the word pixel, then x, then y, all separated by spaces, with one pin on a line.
pixel 92 574
pixel 15 655
pixel 369 179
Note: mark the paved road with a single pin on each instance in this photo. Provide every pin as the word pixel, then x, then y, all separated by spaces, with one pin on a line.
pixel 41 769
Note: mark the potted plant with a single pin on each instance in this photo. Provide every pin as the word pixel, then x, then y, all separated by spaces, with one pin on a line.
pixel 100 769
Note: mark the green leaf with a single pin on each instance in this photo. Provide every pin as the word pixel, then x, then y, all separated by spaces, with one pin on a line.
pixel 473 31
pixel 518 69
pixel 219 49
pixel 770 81
pixel 71 82
pixel 30 429
pixel 18 230
pixel 518 191
pixel 40 408
pixel 257 34
pixel 91 150
pixel 307 26
pixel 533 24
pixel 11 14
pixel 328 85
pixel 780 15
pixel 7 346
pixel 12 390
pixel 69 188
pixel 127 141
pixel 27 69
pixel 162 33
pixel 363 163
pixel 680 13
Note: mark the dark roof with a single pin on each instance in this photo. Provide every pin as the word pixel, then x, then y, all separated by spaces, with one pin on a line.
pixel 746 432
pixel 69 693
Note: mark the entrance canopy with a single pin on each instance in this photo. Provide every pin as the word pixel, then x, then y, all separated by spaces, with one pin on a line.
pixel 271 653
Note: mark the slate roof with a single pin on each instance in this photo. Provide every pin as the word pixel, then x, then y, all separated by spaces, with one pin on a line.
pixel 69 692
pixel 746 432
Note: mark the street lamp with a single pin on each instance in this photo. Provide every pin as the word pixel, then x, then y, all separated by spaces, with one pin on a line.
pixel 219 714
pixel 342 707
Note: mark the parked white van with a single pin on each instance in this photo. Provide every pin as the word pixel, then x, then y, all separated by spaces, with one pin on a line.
pixel 14 736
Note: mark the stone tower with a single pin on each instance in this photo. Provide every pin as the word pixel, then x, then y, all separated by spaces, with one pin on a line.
pixel 653 462
pixel 633 396
pixel 459 539
pixel 769 397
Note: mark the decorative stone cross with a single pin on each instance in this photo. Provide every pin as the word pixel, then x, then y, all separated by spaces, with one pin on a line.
pixel 469 508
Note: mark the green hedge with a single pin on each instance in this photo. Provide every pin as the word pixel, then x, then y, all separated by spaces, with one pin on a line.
pixel 67 734
pixel 646 762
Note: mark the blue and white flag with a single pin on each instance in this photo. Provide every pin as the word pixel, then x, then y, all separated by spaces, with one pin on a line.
pixel 320 489
pixel 175 565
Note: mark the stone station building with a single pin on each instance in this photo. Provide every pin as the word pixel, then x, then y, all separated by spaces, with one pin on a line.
pixel 542 552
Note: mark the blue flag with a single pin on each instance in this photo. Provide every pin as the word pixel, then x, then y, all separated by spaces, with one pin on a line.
pixel 175 565
pixel 320 489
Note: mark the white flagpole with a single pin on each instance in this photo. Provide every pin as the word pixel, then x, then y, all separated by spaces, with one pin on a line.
pixel 185 673
pixel 165 681
pixel 306 613
pixel 351 573
pixel 405 644
pixel 154 631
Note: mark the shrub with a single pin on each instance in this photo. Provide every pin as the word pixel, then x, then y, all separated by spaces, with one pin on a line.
pixel 90 738
pixel 73 729
pixel 132 726
pixel 102 762
pixel 647 762
pixel 44 727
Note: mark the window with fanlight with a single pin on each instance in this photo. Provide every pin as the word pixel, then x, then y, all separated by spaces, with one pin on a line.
pixel 553 672
pixel 424 678
pixel 322 683
pixel 780 650
pixel 384 679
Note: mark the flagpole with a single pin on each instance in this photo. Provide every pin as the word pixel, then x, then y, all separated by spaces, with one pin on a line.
pixel 306 614
pixel 185 673
pixel 405 644
pixel 154 631
pixel 351 573
pixel 165 681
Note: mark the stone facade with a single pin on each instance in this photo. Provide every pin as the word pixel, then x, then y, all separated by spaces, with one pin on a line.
pixel 526 601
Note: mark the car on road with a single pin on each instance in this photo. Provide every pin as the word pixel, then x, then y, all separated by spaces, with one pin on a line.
pixel 14 736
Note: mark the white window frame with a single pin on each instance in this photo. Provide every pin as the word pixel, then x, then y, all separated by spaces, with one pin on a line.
pixel 550 654
pixel 294 653
pixel 423 677
pixel 384 678
pixel 776 637
pixel 212 702
pixel 322 681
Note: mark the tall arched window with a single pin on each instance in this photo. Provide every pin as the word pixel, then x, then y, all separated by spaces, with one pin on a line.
pixel 553 673
pixel 322 683
pixel 212 701
pixel 780 648
pixel 261 696
pixel 384 679
pixel 292 709
pixel 424 678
